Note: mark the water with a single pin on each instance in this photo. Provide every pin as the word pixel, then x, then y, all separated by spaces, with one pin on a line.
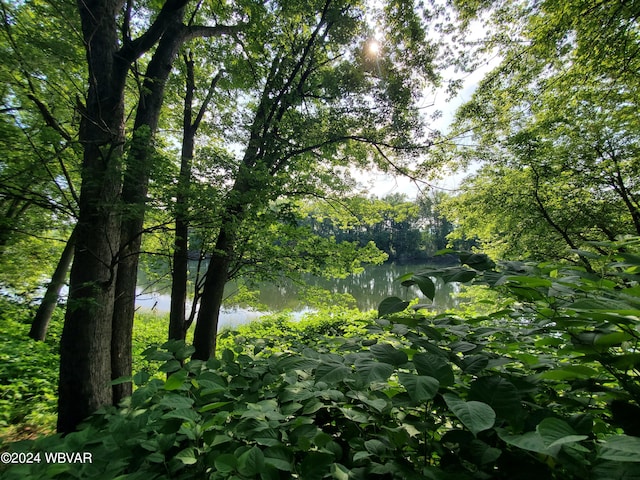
pixel 368 289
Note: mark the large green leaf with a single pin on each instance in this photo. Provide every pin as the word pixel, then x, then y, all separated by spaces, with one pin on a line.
pixel 476 416
pixel 569 372
pixel 483 453
pixel 477 261
pixel 279 457
pixel 500 394
pixel 187 456
pixel 332 372
pixel 434 366
pixel 424 283
pixel 620 448
pixel 251 462
pixel 420 388
pixel 371 370
pixel 555 432
pixel 387 353
pixel 458 274
pixel 225 463
pixel 176 380
pixel 391 305
pixel 531 441
pixel 474 364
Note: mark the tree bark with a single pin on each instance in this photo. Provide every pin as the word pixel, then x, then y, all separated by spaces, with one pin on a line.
pixel 134 197
pixel 46 308
pixel 85 346
pixel 177 318
pixel 178 324
pixel 85 359
pixel 204 339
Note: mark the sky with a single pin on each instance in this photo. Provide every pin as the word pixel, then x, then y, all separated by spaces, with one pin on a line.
pixel 382 185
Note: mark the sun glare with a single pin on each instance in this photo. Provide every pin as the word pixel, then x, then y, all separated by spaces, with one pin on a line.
pixel 373 47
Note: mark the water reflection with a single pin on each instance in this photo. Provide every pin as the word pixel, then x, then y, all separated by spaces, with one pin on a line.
pixel 368 288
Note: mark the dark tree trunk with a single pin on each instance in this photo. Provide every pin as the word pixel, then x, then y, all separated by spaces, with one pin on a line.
pixel 204 339
pixel 134 196
pixel 85 346
pixel 50 300
pixel 178 324
pixel 85 356
pixel 177 319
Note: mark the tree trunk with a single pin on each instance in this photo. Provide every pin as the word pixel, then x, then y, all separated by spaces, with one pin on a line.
pixel 48 305
pixel 177 319
pixel 85 346
pixel 134 197
pixel 136 182
pixel 85 353
pixel 204 339
pixel 178 324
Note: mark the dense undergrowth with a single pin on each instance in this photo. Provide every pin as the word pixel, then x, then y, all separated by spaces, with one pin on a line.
pixel 545 388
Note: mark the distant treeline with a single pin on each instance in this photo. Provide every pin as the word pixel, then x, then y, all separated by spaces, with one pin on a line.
pixel 406 230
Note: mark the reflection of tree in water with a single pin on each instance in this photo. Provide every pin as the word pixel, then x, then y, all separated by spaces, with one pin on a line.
pixel 368 288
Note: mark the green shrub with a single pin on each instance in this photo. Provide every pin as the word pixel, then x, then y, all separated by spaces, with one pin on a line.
pixel 28 370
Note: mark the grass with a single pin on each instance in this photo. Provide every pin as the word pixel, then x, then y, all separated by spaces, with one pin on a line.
pixel 29 369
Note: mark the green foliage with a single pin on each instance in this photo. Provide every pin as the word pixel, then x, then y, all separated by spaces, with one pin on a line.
pixel 545 388
pixel 28 371
pixel 554 129
pixel 403 229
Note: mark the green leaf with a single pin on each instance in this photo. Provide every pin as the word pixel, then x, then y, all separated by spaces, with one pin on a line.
pixel 477 261
pixel 569 372
pixel 213 406
pixel 621 448
pixel 141 378
pixel 176 401
pixel 391 305
pixel 555 431
pixel 420 388
pixel 225 463
pixel 424 283
pixel 279 457
pixel 387 353
pixel 339 472
pixel 332 372
pixel 500 394
pixel 187 456
pixel 176 380
pixel 458 274
pixel 474 364
pixel 121 380
pixel 476 416
pixel 531 441
pixel 483 453
pixel 434 366
pixel 251 462
pixel 355 415
pixel 188 414
pixel 373 371
pixel 292 363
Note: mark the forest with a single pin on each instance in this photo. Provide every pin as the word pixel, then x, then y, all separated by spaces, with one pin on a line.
pixel 215 142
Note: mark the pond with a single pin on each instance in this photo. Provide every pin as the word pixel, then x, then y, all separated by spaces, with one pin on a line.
pixel 368 288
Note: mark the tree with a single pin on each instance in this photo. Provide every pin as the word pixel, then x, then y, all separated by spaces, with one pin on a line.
pixel 178 323
pixel 322 103
pixel 138 168
pixel 40 154
pixel 556 126
pixel 87 360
